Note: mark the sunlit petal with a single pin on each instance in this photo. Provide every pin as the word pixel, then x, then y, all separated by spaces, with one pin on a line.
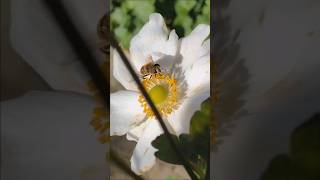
pixel 121 73
pixel 143 157
pixel 151 39
pixel 180 119
pixel 126 112
pixel 192 45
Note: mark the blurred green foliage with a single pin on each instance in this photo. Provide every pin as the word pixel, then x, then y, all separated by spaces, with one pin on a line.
pixel 195 145
pixel 128 16
pixel 303 162
pixel 171 178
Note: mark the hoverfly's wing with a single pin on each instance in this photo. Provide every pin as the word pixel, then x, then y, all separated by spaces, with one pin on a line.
pixel 149 59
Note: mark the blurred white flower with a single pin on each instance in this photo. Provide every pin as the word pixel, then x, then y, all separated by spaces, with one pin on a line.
pixel 36 37
pixel 45 135
pixel 184 82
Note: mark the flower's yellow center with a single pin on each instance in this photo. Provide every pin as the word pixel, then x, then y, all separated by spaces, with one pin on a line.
pixel 158 94
pixel 163 92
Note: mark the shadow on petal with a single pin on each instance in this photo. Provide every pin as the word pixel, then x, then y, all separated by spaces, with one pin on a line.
pixel 229 80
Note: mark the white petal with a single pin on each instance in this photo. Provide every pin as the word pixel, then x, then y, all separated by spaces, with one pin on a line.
pixel 143 157
pixel 171 45
pixel 192 45
pixel 46 135
pixel 180 119
pixel 125 112
pixel 152 38
pixel 205 50
pixel 37 38
pixel 166 55
pixel 121 73
pixel 197 75
pixel 135 133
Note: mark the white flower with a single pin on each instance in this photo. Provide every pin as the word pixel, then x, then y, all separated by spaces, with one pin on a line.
pixel 46 135
pixel 184 82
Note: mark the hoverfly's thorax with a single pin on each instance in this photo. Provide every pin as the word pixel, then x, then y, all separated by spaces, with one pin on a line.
pixel 149 69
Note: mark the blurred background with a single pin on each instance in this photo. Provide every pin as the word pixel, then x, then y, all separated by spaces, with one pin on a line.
pixel 127 16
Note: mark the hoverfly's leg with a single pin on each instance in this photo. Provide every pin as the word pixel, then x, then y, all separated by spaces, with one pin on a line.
pixel 157 68
pixel 146 76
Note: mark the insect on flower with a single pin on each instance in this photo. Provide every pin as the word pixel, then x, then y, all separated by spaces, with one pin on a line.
pixel 149 69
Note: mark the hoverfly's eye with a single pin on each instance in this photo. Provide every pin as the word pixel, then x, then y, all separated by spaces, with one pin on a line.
pixel 157 65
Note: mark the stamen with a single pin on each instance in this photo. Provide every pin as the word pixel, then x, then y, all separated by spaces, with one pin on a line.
pixel 163 91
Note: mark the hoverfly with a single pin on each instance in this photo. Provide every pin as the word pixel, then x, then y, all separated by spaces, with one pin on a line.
pixel 150 68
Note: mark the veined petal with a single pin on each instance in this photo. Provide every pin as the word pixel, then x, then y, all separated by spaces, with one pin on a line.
pixel 205 50
pixel 35 36
pixel 197 75
pixel 192 47
pixel 171 45
pixel 143 157
pixel 153 37
pixel 180 119
pixel 121 73
pixel 125 112
pixel 51 131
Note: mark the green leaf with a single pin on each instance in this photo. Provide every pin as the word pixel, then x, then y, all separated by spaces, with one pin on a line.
pixel 206 107
pixel 200 166
pixel 200 120
pixel 189 146
pixel 171 178
pixel 165 152
pixel 195 146
pixel 199 123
